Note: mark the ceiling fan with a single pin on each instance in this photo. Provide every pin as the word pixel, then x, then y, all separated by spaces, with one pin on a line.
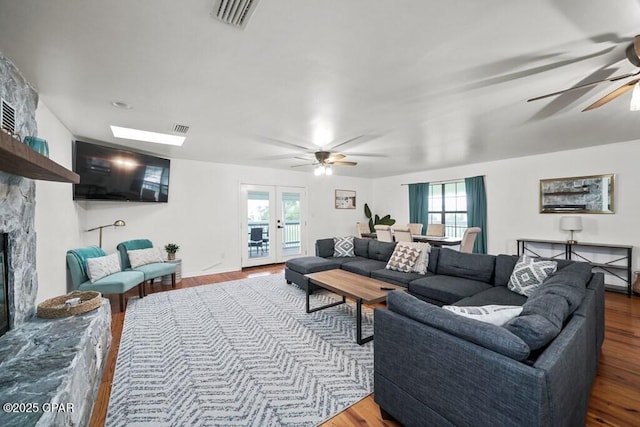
pixel 324 160
pixel 633 55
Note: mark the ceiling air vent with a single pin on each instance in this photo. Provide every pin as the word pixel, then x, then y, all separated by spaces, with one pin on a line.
pixel 234 12
pixel 8 117
pixel 181 129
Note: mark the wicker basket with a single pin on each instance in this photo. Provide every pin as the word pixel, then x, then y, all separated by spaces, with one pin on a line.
pixel 55 308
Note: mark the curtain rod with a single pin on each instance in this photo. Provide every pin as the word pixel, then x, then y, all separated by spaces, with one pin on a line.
pixel 438 182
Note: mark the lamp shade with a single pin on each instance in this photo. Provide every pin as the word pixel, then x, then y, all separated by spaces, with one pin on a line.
pixel 571 223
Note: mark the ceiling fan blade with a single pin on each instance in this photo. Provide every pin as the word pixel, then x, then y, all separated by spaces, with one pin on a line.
pixel 613 95
pixel 339 163
pixel 560 92
pixel 335 157
pixel 304 164
pixel 285 144
pixel 360 139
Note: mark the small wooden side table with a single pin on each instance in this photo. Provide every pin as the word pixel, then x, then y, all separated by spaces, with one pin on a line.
pixel 166 280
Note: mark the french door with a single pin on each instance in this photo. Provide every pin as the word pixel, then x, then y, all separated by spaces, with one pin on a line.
pixel 273 225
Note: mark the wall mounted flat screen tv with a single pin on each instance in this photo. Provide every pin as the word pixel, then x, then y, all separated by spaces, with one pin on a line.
pixel 108 173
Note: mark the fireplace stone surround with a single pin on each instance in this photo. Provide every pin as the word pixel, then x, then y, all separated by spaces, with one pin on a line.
pixel 50 370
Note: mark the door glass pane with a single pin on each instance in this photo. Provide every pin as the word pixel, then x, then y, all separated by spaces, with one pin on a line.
pixel 258 223
pixel 291 223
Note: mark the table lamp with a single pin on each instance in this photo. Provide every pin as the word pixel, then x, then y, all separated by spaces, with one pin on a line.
pixel 118 223
pixel 571 224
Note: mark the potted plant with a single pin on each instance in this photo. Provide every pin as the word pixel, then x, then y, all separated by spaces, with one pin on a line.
pixel 171 249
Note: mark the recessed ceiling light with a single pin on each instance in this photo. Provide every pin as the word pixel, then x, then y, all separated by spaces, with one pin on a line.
pixel 143 135
pixel 121 105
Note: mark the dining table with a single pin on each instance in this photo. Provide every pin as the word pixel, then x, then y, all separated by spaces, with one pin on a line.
pixel 432 240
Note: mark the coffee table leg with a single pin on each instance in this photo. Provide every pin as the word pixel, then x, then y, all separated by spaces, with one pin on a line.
pixel 359 338
pixel 333 304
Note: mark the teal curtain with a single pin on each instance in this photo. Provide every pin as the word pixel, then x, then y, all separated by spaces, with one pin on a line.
pixel 419 204
pixel 477 210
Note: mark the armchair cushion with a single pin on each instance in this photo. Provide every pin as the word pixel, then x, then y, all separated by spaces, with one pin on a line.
pixel 117 283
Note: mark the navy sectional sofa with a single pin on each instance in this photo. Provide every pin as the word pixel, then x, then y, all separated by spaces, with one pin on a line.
pixel 433 367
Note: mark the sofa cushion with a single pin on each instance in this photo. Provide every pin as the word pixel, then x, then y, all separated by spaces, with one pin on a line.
pixel 434 256
pixel 396 277
pixel 492 313
pixel 494 295
pixel 529 273
pixel 477 267
pixel 447 289
pixel 492 337
pixel 344 260
pixel 569 283
pixel 324 247
pixel 381 251
pixel 364 266
pixel 403 258
pixel 343 246
pixel 504 268
pixel 361 247
pixel 311 264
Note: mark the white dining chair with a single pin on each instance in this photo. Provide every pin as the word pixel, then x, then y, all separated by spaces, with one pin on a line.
pixel 402 235
pixel 383 233
pixel 435 230
pixel 469 238
pixel 415 228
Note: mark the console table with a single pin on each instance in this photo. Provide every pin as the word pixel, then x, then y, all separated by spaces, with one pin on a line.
pixel 619 266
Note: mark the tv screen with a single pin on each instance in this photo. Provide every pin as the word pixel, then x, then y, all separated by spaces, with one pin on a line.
pixel 114 174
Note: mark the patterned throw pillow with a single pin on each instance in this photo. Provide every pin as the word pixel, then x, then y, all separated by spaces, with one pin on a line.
pixel 528 274
pixel 343 247
pixel 494 314
pixel 423 259
pixel 138 257
pixel 100 267
pixel 403 258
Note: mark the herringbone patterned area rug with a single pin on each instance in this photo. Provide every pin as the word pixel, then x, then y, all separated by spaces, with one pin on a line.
pixel 238 353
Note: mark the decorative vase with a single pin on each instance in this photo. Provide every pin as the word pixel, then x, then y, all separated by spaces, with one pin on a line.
pixel 38 145
pixel 171 256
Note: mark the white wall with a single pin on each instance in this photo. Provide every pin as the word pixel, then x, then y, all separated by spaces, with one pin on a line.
pixel 513 196
pixel 203 212
pixel 57 219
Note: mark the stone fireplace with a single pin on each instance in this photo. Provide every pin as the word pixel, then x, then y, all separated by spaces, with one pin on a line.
pixel 43 362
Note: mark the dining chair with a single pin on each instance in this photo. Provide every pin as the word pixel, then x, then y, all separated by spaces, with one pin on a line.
pixel 435 230
pixel 415 228
pixel 469 238
pixel 383 233
pixel 362 227
pixel 402 235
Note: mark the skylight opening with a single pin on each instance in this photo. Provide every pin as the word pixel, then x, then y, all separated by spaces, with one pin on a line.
pixel 146 136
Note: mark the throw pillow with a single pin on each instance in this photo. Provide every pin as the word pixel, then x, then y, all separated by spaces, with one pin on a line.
pixel 343 247
pixel 403 258
pixel 423 259
pixel 139 257
pixel 494 314
pixel 100 267
pixel 528 274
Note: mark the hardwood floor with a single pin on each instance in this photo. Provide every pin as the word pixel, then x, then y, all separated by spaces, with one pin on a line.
pixel 615 397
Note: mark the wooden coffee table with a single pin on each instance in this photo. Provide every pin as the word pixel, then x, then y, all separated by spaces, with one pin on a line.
pixel 354 286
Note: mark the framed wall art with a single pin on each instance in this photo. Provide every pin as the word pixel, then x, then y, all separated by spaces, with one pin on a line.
pixel 581 194
pixel 345 199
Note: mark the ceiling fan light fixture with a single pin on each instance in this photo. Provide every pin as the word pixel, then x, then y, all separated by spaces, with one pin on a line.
pixel 319 170
pixel 328 171
pixel 635 98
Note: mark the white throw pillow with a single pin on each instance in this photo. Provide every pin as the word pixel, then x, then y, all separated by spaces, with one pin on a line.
pixel 100 267
pixel 343 247
pixel 423 259
pixel 403 258
pixel 494 314
pixel 528 274
pixel 138 257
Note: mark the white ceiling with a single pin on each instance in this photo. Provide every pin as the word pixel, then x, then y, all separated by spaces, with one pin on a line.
pixel 429 84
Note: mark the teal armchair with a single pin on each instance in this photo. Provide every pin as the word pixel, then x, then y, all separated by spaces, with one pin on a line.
pixel 150 271
pixel 116 283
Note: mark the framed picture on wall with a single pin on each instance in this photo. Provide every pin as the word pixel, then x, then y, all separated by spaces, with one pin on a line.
pixel 345 199
pixel 592 194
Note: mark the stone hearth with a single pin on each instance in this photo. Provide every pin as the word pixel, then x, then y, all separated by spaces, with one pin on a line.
pixel 43 363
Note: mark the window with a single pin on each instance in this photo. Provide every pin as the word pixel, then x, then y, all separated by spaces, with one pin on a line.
pixel 448 206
